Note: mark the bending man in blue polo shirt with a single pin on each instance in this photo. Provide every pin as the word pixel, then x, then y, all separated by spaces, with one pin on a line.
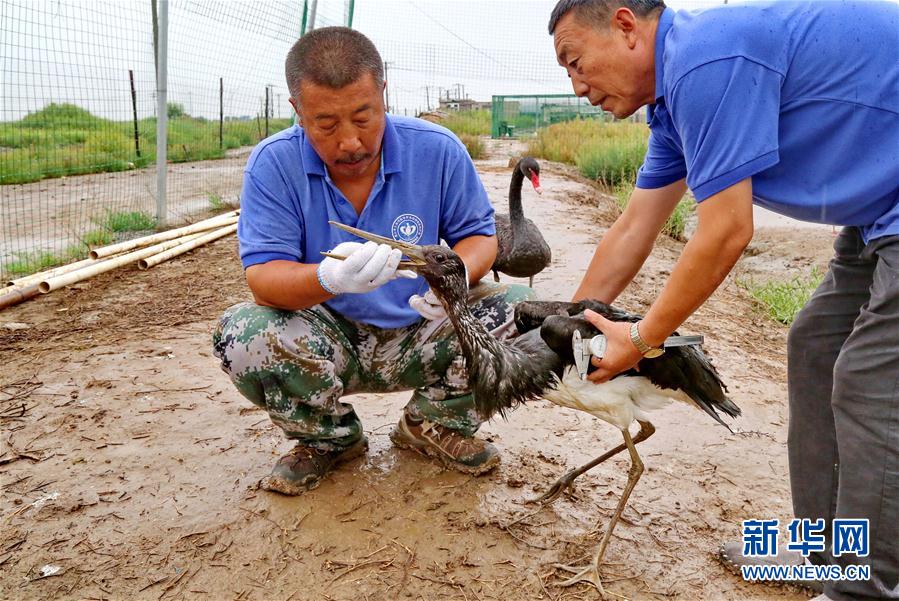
pixel 323 329
pixel 794 106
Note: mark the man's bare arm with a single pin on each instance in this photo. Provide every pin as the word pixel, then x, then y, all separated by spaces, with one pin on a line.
pixel 478 253
pixel 725 229
pixel 286 285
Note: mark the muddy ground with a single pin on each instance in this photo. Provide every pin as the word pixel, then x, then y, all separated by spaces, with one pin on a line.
pixel 130 463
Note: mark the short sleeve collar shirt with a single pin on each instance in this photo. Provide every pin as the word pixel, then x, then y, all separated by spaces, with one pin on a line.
pixel 427 190
pixel 801 96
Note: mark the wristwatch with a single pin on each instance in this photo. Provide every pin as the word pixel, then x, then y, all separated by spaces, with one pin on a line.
pixel 650 352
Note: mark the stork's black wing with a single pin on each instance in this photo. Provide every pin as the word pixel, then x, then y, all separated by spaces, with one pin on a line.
pixel 685 368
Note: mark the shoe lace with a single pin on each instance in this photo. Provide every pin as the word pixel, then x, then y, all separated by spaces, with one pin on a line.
pixel 301 452
pixel 445 439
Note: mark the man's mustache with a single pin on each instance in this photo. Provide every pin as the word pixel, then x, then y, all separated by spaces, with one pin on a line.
pixel 354 158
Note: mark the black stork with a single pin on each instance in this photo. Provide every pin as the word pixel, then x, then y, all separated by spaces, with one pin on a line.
pixel 522 252
pixel 539 364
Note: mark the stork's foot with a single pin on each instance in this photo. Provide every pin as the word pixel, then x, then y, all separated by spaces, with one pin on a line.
pixel 558 487
pixel 588 574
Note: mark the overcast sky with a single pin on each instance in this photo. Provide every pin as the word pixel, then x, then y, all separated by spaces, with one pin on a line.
pixel 80 51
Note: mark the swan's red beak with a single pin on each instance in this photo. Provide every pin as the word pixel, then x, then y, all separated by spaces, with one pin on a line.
pixel 535 181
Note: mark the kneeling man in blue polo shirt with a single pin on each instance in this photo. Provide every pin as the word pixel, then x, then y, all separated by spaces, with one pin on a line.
pixel 795 107
pixel 324 329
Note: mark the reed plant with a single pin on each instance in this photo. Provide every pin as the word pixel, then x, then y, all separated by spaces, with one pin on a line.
pixel 471 123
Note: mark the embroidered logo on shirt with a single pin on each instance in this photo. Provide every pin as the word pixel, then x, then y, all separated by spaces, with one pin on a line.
pixel 407 228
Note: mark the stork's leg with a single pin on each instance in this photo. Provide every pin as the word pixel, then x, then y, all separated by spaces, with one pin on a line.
pixel 590 573
pixel 531 282
pixel 567 480
pixel 495 276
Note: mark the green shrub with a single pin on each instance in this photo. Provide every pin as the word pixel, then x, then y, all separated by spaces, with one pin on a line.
pixel 175 110
pixel 94 238
pixel 675 225
pixel 783 299
pixel 474 145
pixel 473 123
pixel 611 162
pixel 609 153
pixel 129 221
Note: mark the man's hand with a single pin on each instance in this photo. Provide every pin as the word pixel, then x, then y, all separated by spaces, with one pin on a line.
pixel 427 306
pixel 620 355
pixel 367 267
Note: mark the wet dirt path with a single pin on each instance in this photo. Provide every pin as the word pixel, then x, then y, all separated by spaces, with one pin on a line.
pixel 128 461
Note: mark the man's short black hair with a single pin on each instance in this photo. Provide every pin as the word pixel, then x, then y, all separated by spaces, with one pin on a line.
pixel 598 12
pixel 332 57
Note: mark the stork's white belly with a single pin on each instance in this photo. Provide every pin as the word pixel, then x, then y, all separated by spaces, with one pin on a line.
pixel 618 402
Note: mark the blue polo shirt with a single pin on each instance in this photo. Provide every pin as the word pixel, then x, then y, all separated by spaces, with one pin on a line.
pixel 802 97
pixel 427 189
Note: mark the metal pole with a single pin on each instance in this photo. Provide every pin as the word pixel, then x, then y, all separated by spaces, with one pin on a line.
pixel 134 113
pixel 162 114
pixel 305 14
pixel 155 38
pixel 349 20
pixel 312 15
pixel 221 113
pixel 266 111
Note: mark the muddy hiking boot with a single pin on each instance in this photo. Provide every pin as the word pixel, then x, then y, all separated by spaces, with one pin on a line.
pixel 303 468
pixel 469 455
pixel 731 555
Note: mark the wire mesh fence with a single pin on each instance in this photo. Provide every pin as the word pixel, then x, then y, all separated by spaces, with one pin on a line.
pixel 78 100
pixel 517 116
pixel 79 107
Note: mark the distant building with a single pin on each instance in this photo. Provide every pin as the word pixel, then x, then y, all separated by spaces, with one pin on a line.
pixel 461 104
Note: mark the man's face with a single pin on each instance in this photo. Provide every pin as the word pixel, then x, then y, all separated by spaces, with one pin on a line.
pixel 612 68
pixel 345 126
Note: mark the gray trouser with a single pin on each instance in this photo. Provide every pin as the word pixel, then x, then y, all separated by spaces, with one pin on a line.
pixel 843 367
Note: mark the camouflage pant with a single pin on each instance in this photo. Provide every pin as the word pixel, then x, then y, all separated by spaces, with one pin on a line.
pixel 298 364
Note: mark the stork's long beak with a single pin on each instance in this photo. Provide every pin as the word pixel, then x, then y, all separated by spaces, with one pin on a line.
pixel 413 251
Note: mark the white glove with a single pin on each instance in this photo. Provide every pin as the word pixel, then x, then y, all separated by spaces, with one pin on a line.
pixel 367 267
pixel 427 306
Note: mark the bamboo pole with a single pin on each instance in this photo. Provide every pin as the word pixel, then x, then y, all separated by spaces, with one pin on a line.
pixel 149 262
pixel 18 295
pixel 35 278
pixel 56 282
pixel 200 226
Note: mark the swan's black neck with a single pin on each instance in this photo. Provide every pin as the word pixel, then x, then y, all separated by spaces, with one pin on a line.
pixel 516 212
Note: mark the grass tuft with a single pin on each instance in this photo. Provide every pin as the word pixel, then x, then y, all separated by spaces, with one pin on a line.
pixel 783 299
pixel 129 221
pixel 676 224
pixel 474 145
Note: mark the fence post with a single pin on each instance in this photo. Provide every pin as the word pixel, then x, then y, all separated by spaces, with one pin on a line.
pixel 221 114
pixel 266 111
pixel 134 112
pixel 162 114
pixel 312 11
